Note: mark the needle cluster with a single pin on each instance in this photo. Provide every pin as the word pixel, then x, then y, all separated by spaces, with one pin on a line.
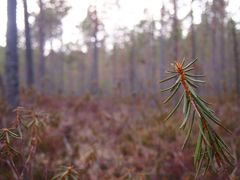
pixel 211 150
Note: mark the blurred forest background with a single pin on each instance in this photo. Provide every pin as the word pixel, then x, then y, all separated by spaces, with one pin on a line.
pixel 130 59
pixel 110 72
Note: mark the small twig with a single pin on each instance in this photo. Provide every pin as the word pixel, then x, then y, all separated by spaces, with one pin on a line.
pixel 30 154
pixel 13 168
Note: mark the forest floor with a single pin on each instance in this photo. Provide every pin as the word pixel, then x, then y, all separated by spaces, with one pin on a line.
pixel 118 138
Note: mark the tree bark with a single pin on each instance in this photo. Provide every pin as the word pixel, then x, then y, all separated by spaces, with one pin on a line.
pixel 11 64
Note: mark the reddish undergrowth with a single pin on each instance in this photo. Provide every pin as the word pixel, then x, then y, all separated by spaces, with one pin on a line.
pixel 116 138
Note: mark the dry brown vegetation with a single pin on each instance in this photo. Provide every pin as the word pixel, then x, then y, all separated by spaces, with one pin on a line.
pixel 115 139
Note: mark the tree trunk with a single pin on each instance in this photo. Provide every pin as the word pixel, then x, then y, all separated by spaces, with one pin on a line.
pixel 114 69
pixel 175 39
pixel 204 46
pixel 132 66
pixel 152 58
pixel 29 57
pixel 215 52
pixel 11 64
pixel 222 45
pixel 82 75
pixel 94 74
pixel 41 47
pixel 214 60
pixel 236 57
pixel 61 74
pixel 61 70
pixel 222 53
pixel 193 36
pixel 175 32
pixel 162 44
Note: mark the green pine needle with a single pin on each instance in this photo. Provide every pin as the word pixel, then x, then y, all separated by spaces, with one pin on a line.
pixel 211 151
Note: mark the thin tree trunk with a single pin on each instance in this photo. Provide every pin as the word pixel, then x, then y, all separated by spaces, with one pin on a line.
pixel 114 69
pixel 222 53
pixel 236 57
pixel 82 75
pixel 215 56
pixel 61 74
pixel 94 73
pixel 203 48
pixel 61 70
pixel 175 38
pixel 131 67
pixel 193 36
pixel 162 44
pixel 11 63
pixel 176 32
pixel 214 60
pixel 52 71
pixel 29 57
pixel 222 45
pixel 41 47
pixel 152 58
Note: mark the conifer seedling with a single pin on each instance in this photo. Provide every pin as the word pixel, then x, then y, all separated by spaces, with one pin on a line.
pixel 211 151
